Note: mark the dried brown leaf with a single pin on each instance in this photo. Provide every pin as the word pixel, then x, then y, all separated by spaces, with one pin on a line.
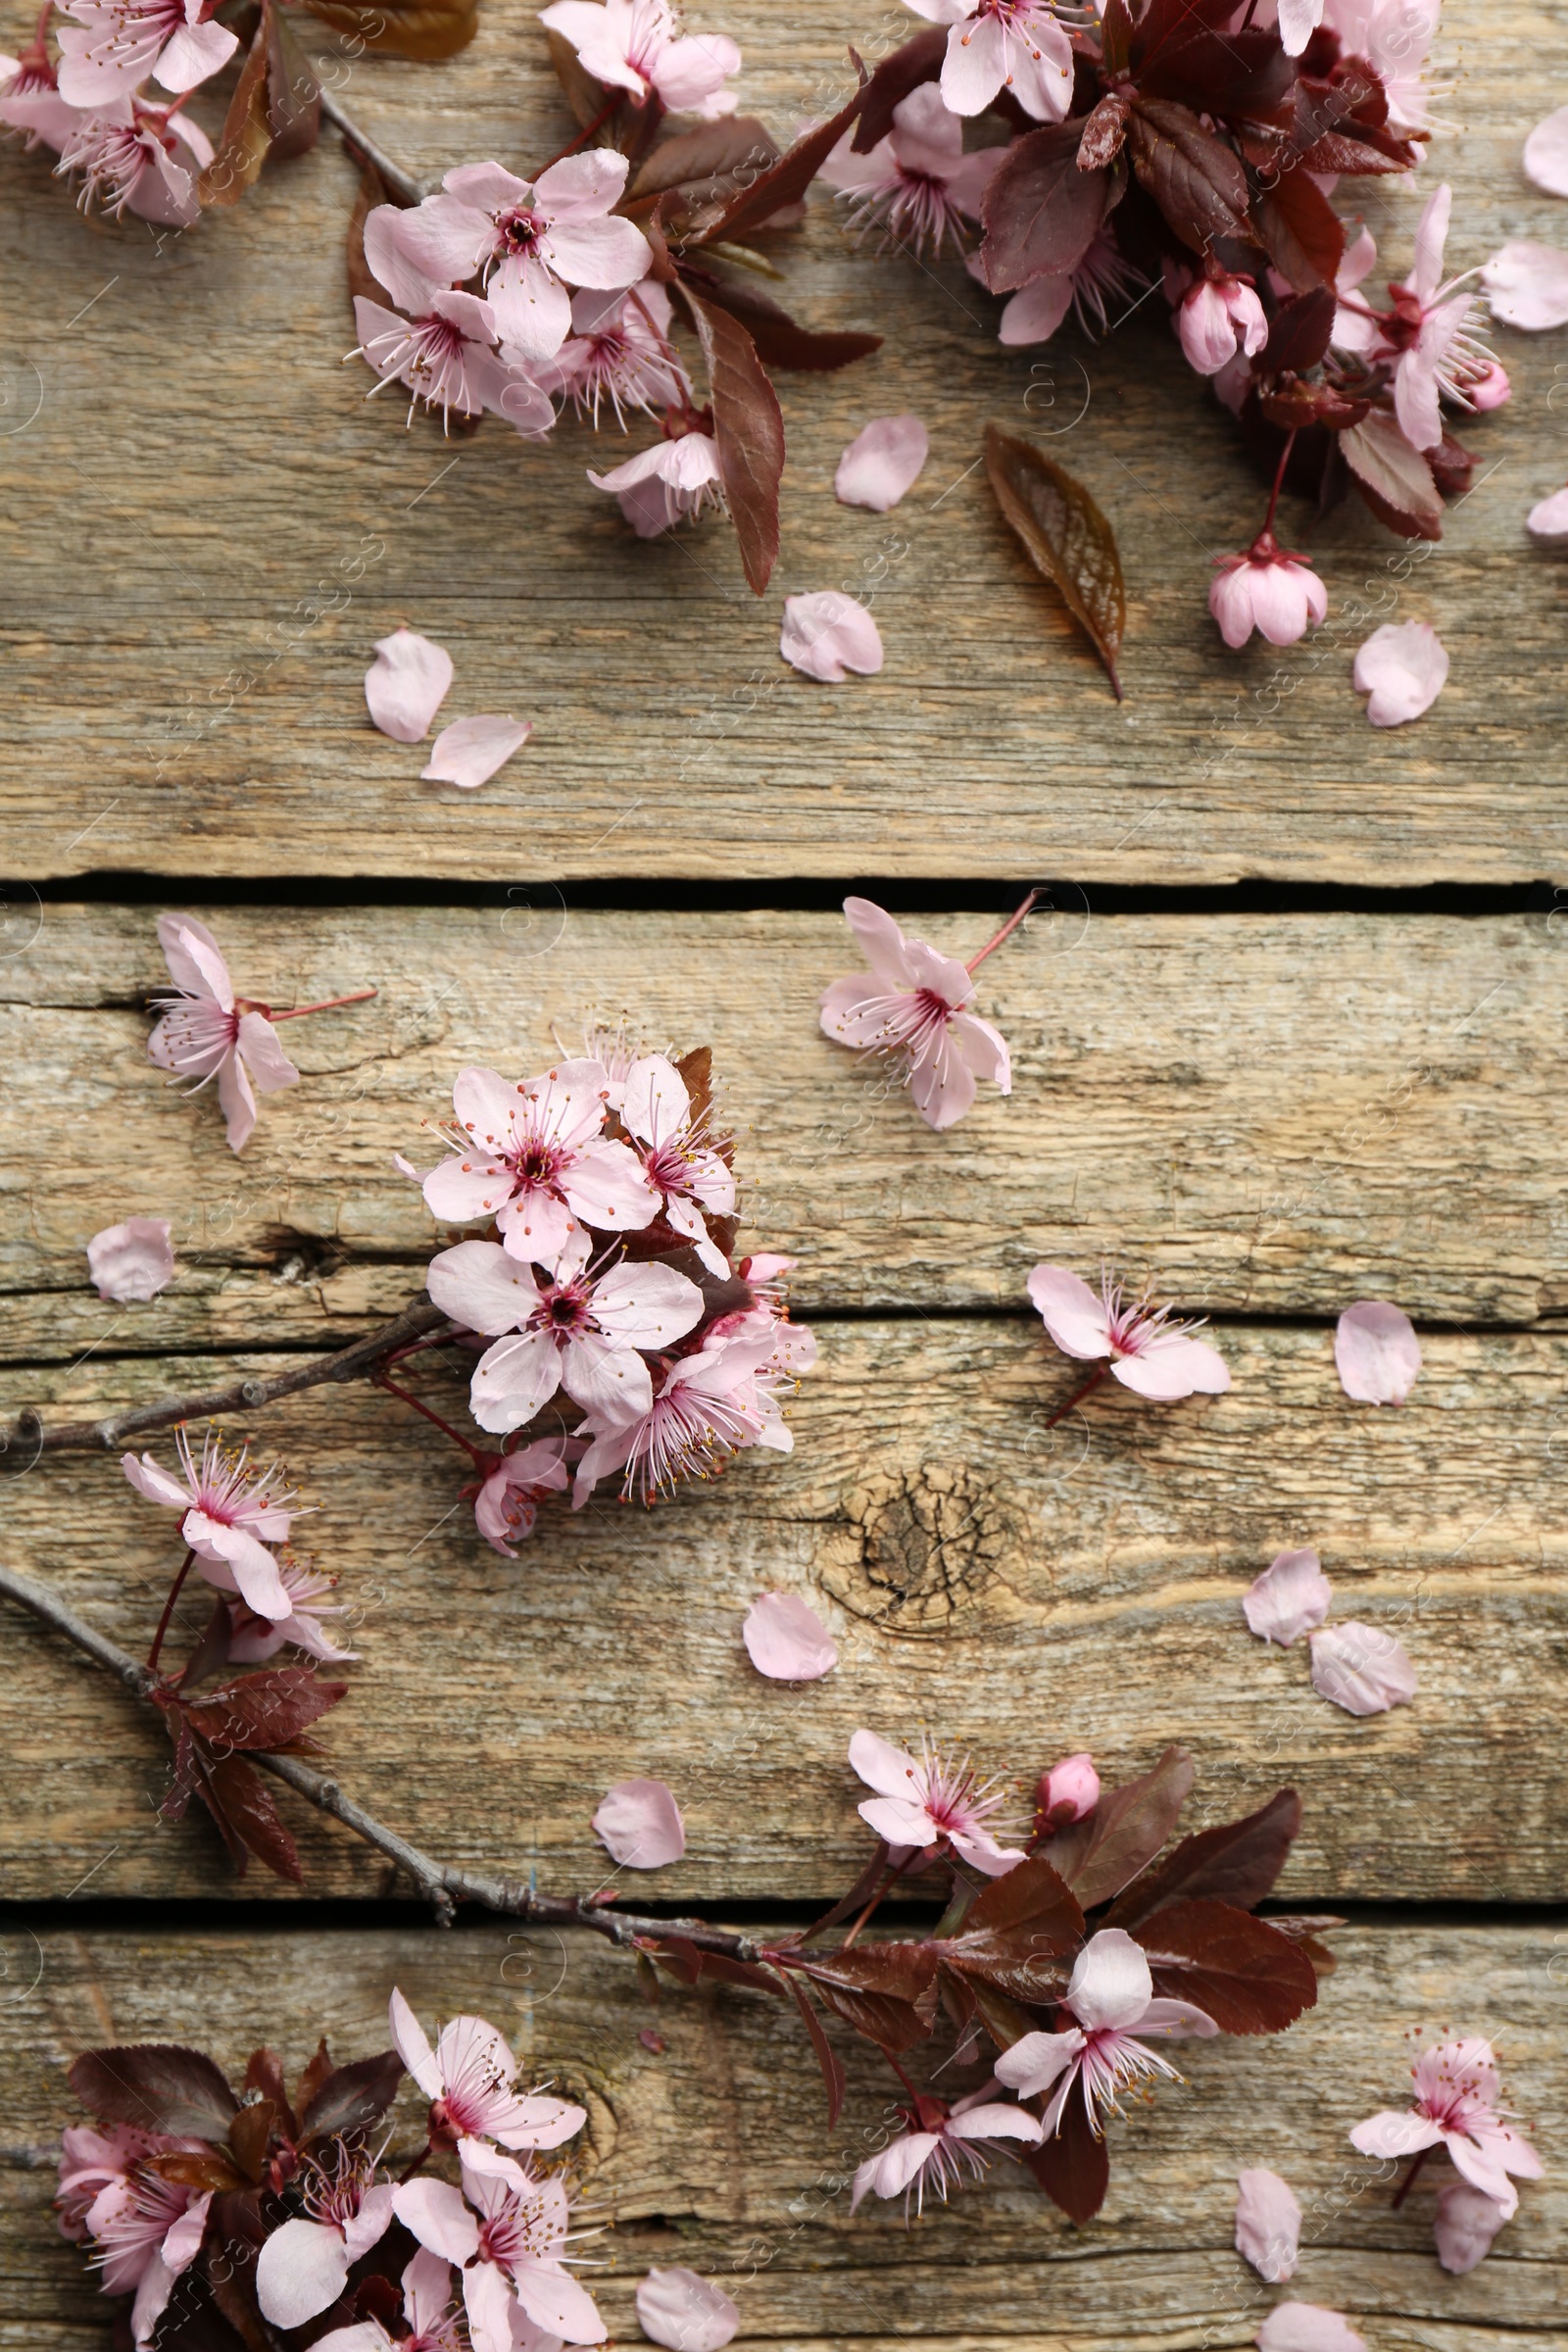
pixel 1066 538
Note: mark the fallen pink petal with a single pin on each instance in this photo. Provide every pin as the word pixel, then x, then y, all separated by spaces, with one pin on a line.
pixel 1290 1596
pixel 132 1262
pixel 685 2311
pixel 472 751
pixel 1527 286
pixel 1464 2225
pixel 1548 519
pixel 640 1826
pixel 827 635
pixel 1362 1668
pixel 1377 1352
pixel 1268 2223
pixel 882 464
pixel 405 684
pixel 1307 2328
pixel 787 1640
pixel 1403 667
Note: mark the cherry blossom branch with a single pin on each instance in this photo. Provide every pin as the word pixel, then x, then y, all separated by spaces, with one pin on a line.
pixel 400 183
pixel 443 1886
pixel 242 1396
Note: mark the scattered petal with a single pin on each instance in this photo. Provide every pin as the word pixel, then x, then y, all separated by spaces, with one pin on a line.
pixel 1527 285
pixel 687 2312
pixel 1403 667
pixel 1467 2220
pixel 1362 1668
pixel 882 464
pixel 405 685
pixel 787 1640
pixel 828 634
pixel 1546 163
pixel 1377 1352
pixel 1290 1597
pixel 472 750
pixel 1548 517
pixel 640 1823
pixel 1307 2328
pixel 132 1261
pixel 1268 2223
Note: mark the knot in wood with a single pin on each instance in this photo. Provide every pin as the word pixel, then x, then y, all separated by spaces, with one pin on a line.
pixel 923 1547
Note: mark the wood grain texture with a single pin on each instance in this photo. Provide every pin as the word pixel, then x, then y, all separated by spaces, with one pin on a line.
pixel 715 2151
pixel 1268 1116
pixel 209 528
pixel 1021 1593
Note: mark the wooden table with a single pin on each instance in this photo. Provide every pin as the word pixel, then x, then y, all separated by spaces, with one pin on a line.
pixel 1252 1060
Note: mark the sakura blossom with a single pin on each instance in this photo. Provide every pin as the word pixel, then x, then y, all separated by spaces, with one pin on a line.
pixel 405 684
pixel 619 350
pixel 304 2266
pixel 1290 1596
pixel 507 1505
pixel 1376 1352
pixel 230 1514
pixel 685 2311
pixel 580 1329
pixel 938 2145
pixel 471 751
pixel 132 1263
pixel 935 1801
pixel 1033 314
pixel 254 1638
pixel 115 45
pixel 918 182
pixel 446 356
pixel 30 100
pixel 1457 2088
pixel 533 1156
pixel 1548 519
pixel 1111 1997
pixel 471 2079
pixel 1069 1791
pixel 882 464
pixel 913 1004
pixel 827 635
pixel 1464 2226
pixel 1545 156
pixel 1362 1668
pixel 127 154
pixel 1147 1348
pixel 1267 589
pixel 1403 667
pixel 1526 284
pixel 692 1179
pixel 507 2230
pixel 1268 2223
pixel 709 1405
pixel 1394 36
pixel 145 2232
pixel 427 2313
pixel 667 484
pixel 1217 317
pixel 205 1031
pixel 637 46
pixel 787 1640
pixel 1017 45
pixel 639 1825
pixel 1429 332
pixel 1307 2328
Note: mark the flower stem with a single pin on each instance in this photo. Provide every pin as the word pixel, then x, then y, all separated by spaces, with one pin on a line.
pixel 1007 931
pixel 410 2171
pixel 1078 1394
pixel 384 1380
pixel 296 1013
pixel 169 1611
pixel 586 132
pixel 895 1871
pixel 1408 2183
pixel 1279 481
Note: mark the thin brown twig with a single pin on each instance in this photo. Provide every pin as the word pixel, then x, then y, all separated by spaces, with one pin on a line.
pixel 400 183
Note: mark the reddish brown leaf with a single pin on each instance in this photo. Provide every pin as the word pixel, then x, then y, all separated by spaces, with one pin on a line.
pixel 748 429
pixel 784 183
pixel 1098 1856
pixel 248 2135
pixel 919 60
pixel 1302 234
pixel 157 2085
pixel 420 29
pixel 1292 406
pixel 293 93
pixel 778 340
pixel 234 2235
pixel 1235 1862
pixel 1065 537
pixel 1243 74
pixel 352 2097
pixel 1033 1894
pixel 1350 159
pixel 1007 2021
pixel 893 2025
pixel 887 1992
pixel 263 2071
pixel 312 2078
pixel 266 1710
pixel 214 2171
pixel 1104 129
pixel 241 1804
pixel 1040 212
pixel 826 2056
pixel 705 163
pixel 1301 332
pixel 1116 36
pixel 1194 177
pixel 1249 1977
pixel 1306 1931
pixel 1452 465
pixel 1074 2167
pixel 247 132
pixel 1165 23
pixel 1394 478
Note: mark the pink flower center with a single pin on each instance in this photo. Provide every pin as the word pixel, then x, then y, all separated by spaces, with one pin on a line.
pixel 565 1309
pixel 538 1163
pixel 521 233
pixel 519 2232
pixel 668 1166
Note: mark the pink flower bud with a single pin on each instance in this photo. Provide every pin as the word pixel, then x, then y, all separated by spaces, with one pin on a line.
pixel 1069 1791
pixel 1266 590
pixel 1217 317
pixel 1491 389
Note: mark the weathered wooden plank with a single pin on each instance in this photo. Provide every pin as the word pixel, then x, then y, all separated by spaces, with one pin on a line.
pixel 1275 1116
pixel 1019 1592
pixel 715 2152
pixel 181 697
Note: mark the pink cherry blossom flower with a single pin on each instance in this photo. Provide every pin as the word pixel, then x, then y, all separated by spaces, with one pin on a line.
pixel 1290 1596
pixel 125 153
pixel 787 1640
pixel 618 350
pixel 678 1155
pixel 1429 332
pixel 447 358
pixel 914 1002
pixel 231 1513
pixel 1111 1997
pixel 934 1801
pixel 1033 314
pixel 882 464
pixel 1069 1791
pixel 1218 318
pixel 1456 2092
pixel 579 1330
pixel 1548 519
pixel 1355 328
pixel 1527 285
pixel 1362 1668
pixel 533 1157
pixel 1307 2328
pixel 508 1501
pixel 145 2232
pixel 528 241
pixel 1268 2224
pixel 639 1825
pixel 637 46
pixel 254 1638
pixel 1299 20
pixel 918 182
pixel 115 44
pixel 89 2159
pixel 303 2267
pixel 433 2323
pixel 1546 156
pixel 206 1031
pixel 507 2229
pixel 1376 1352
pixel 30 100
pixel 1017 45
pixel 827 635
pixel 667 484
pixel 1146 1347
pixel 1464 2226
pixel 685 2311
pixel 706 1407
pixel 1394 36
pixel 471 2079
pixel 471 751
pixel 1267 589
pixel 132 1261
pixel 938 2145
pixel 1403 667
pixel 406 684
